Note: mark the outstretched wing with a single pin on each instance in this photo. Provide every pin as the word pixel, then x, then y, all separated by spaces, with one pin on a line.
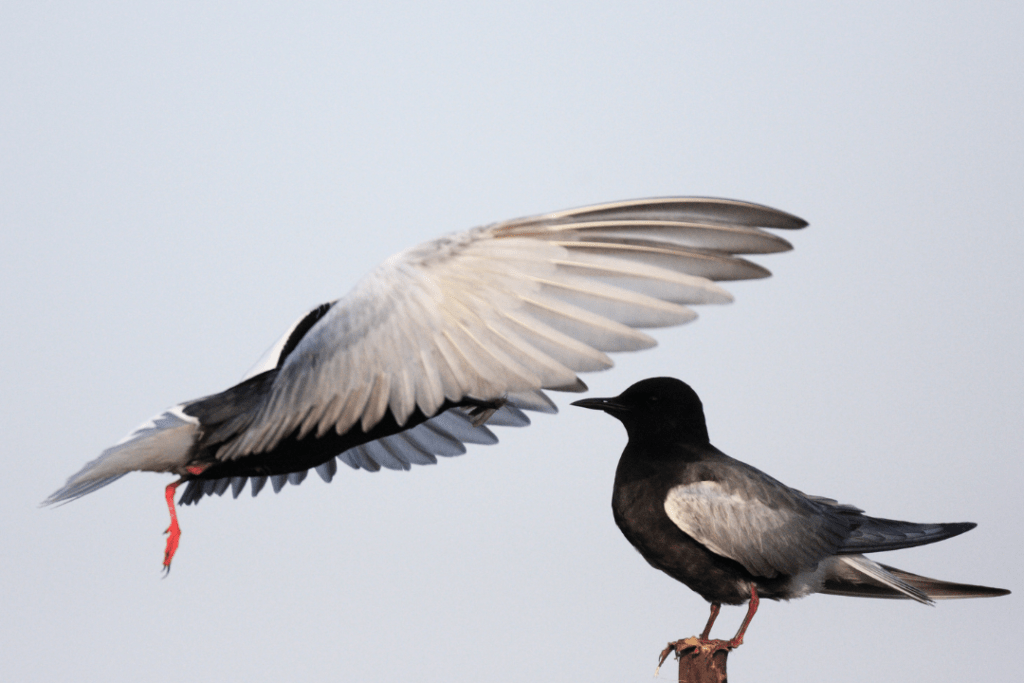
pixel 514 307
pixel 496 314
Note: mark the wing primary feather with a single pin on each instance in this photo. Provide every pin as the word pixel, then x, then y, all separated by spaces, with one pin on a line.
pixel 532 368
pixel 327 470
pixel 237 484
pixel 508 416
pixel 353 407
pixel 536 401
pixel 359 458
pixel 725 211
pixel 619 305
pixel 381 450
pixel 706 263
pixel 731 239
pixel 457 424
pixel 257 485
pixel 408 448
pixel 503 373
pixel 560 347
pixel 435 440
pixel 377 403
pixel 590 329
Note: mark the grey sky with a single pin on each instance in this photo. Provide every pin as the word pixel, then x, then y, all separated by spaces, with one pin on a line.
pixel 179 181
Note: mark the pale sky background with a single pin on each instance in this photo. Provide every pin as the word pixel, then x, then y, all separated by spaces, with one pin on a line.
pixel 180 181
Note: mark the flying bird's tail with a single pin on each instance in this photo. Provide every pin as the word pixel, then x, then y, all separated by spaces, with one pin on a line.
pixel 162 444
pixel 857 576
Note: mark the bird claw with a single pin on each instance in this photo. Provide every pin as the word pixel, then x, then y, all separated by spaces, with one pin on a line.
pixel 696 647
pixel 664 655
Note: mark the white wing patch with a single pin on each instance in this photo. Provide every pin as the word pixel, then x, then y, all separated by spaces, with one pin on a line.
pixel 784 537
pixel 714 517
pixel 513 307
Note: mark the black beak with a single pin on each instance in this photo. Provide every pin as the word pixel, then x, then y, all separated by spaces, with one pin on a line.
pixel 608 405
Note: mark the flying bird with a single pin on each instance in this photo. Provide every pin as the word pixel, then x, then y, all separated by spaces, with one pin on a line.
pixel 734 534
pixel 443 340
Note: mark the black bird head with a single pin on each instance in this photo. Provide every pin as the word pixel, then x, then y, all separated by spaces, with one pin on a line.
pixel 656 408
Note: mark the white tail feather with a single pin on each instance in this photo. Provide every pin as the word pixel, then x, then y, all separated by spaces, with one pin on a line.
pixel 878 573
pixel 162 444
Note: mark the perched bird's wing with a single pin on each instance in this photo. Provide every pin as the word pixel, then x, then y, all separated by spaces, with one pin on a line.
pixel 753 519
pixel 514 307
pixel 874 534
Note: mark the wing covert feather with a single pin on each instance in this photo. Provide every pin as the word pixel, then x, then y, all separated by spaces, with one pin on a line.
pixel 768 529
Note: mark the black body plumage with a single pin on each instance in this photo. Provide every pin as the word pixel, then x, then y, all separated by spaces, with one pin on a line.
pixel 724 528
pixel 293 454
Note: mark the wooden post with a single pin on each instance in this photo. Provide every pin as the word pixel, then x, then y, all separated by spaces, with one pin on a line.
pixel 700 661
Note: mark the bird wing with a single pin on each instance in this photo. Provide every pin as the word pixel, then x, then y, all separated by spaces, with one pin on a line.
pixel 874 534
pixel 443 435
pixel 510 308
pixel 755 520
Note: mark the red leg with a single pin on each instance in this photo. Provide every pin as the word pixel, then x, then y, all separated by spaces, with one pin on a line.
pixel 754 602
pixel 173 531
pixel 711 620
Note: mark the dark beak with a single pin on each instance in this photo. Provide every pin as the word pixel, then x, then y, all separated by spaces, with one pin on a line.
pixel 608 405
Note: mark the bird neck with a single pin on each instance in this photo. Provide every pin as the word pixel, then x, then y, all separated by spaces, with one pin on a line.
pixel 669 434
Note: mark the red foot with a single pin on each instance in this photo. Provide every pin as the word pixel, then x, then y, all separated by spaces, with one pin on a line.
pixel 702 645
pixel 173 531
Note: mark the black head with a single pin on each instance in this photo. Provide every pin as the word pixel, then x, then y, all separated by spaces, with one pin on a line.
pixel 660 407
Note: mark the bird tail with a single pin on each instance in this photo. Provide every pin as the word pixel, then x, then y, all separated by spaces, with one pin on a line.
pixel 944 590
pixel 857 576
pixel 160 445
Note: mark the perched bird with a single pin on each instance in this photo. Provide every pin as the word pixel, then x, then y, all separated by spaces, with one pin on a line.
pixel 445 338
pixel 734 534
